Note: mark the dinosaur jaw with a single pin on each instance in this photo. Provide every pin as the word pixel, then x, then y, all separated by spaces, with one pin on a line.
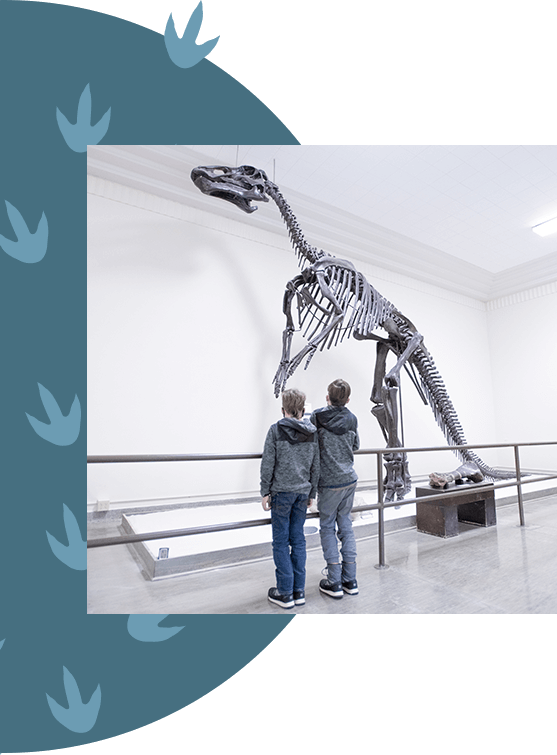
pixel 239 186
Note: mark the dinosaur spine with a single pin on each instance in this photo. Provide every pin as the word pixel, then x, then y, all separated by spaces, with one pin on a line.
pixel 305 252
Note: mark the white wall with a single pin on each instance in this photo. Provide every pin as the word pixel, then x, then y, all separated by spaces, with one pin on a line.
pixel 523 348
pixel 185 322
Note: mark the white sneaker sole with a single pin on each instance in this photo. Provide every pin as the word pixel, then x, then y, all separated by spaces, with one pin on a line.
pixel 332 594
pixel 281 603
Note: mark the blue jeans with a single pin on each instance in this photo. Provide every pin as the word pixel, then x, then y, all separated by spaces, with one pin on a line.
pixel 288 514
pixel 335 506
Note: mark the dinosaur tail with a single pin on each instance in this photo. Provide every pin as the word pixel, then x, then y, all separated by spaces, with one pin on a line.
pixel 437 397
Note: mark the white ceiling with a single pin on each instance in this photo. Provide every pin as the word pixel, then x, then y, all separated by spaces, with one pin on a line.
pixel 444 204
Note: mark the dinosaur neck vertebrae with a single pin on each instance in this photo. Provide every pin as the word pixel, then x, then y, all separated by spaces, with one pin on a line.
pixel 307 254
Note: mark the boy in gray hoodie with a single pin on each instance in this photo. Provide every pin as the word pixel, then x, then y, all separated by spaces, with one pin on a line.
pixel 337 430
pixel 289 476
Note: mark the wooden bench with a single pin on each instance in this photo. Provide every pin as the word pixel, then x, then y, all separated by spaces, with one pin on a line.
pixel 441 517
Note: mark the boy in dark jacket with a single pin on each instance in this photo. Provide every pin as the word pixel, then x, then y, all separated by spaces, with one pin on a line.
pixel 337 430
pixel 289 476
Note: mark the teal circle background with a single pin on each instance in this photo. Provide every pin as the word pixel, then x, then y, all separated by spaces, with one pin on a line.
pixel 48 55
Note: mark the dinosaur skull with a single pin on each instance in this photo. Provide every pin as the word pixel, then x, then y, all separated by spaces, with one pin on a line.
pixel 237 185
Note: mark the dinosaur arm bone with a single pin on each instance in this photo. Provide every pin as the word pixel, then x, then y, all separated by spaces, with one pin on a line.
pixel 335 316
pixel 329 315
pixel 281 373
pixel 307 304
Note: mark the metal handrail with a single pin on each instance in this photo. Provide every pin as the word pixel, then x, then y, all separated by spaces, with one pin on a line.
pixel 139 458
pixel 380 506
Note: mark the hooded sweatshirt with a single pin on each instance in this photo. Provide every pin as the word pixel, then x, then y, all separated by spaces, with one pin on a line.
pixel 290 460
pixel 337 430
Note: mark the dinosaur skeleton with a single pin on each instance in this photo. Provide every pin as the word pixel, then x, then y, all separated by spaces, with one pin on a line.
pixel 330 300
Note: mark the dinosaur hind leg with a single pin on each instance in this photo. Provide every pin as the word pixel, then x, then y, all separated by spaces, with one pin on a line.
pixel 397 480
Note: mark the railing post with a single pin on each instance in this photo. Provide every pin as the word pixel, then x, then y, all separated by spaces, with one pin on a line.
pixel 380 521
pixel 519 486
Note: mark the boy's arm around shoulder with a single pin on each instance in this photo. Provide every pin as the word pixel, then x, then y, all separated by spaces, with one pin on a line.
pixel 314 474
pixel 268 463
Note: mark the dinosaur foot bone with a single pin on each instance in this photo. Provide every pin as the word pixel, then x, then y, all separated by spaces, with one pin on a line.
pixel 397 480
pixel 464 472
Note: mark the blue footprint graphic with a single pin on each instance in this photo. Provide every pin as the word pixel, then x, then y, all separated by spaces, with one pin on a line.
pixel 78 716
pixel 62 430
pixel 145 627
pixel 81 133
pixel 184 52
pixel 29 247
pixel 74 554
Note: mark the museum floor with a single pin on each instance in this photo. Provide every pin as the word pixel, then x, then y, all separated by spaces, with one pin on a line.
pixel 502 569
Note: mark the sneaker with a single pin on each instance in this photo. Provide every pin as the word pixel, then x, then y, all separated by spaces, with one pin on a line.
pixel 350 587
pixel 299 598
pixel 284 601
pixel 334 589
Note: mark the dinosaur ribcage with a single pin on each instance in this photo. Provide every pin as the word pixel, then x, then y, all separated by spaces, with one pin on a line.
pixel 336 294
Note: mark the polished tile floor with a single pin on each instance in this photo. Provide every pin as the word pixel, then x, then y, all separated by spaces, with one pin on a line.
pixel 504 569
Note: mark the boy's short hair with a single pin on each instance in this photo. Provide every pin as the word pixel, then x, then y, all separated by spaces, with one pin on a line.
pixel 293 402
pixel 339 392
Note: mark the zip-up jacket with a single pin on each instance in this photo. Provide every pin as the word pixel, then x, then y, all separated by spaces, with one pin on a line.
pixel 337 430
pixel 290 460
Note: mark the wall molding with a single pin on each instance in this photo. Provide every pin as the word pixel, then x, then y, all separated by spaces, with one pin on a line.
pixel 522 296
pixel 250 232
pixel 343 241
pixel 163 171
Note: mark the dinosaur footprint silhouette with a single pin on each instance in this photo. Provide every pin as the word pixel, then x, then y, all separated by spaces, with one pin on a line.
pixel 81 133
pixel 62 430
pixel 78 716
pixel 29 247
pixel 184 52
pixel 145 627
pixel 74 554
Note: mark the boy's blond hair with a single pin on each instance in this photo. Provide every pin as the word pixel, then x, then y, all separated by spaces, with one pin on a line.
pixel 293 402
pixel 339 392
